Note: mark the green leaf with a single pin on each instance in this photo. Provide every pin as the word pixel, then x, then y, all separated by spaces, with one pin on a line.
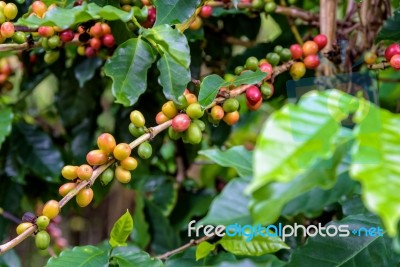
pixel 375 164
pixel 173 76
pixel 230 206
pixel 86 69
pixel 296 136
pixel 108 12
pixel 203 249
pixel 264 261
pixel 352 250
pixel 36 150
pixel 390 29
pixel 80 257
pixel 135 259
pixel 237 157
pixel 6 117
pixel 174 11
pixel 165 196
pixel 140 234
pixel 128 69
pixel 257 246
pixel 121 230
pixel 10 259
pixel 209 88
pixel 249 77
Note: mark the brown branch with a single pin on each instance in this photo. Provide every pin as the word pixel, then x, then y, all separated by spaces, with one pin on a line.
pixel 9 216
pixel 24 29
pixel 379 66
pixel 295 12
pixel 327 19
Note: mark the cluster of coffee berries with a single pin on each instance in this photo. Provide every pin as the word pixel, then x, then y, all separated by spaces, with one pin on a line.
pixel 228 112
pixel 392 55
pixel 94 38
pixel 267 6
pixel 205 12
pixel 6 70
pixel 8 12
pixel 144 13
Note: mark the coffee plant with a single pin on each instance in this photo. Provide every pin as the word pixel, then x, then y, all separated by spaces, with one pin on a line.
pixel 199 133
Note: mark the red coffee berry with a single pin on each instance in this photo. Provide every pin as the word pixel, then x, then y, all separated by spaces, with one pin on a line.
pixel 321 40
pixel 311 61
pixel 96 157
pixel 391 50
pixel 180 123
pixel 206 11
pixel 253 94
pixel 67 36
pixel 253 106
pixel 297 51
pixel 46 31
pixel 108 40
pixel 310 48
pixel 95 43
pixel 395 62
pixel 90 52
pixel 266 67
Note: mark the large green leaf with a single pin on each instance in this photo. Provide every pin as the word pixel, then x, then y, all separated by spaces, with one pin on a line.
pixel 174 11
pixel 296 136
pixel 6 117
pixel 135 259
pixel 375 164
pixel 257 246
pixel 268 201
pixel 140 234
pixel 85 256
pixel 391 28
pixel 121 230
pixel 128 69
pixel 230 207
pixel 352 250
pixel 237 157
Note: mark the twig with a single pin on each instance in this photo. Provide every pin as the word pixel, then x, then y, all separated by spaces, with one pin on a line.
pixel 193 242
pixel 379 66
pixel 9 216
pixel 293 26
pixel 24 29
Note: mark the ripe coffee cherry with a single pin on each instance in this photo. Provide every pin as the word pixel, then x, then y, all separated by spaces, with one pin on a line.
pixel 106 142
pixel 42 240
pixel 251 63
pixel 206 11
pixel 395 62
pixel 297 70
pixel 311 61
pixel 10 11
pixel 285 54
pixel 267 89
pixel 69 172
pixel 46 31
pixel 106 28
pixel 321 40
pixel 196 24
pixel 273 58
pixel 370 57
pixel 391 50
pixel 137 118
pixel 231 118
pixel 84 172
pixel 66 188
pixel 161 118
pixel 129 164
pixel 42 222
pixel 169 109
pixel 217 113
pixel 145 150
pixel 267 68
pixel 67 36
pixel 122 175
pixel 108 40
pixel 191 98
pixel 181 122
pixel 136 132
pixel 84 197
pixel 231 105
pixel 7 29
pixel 310 48
pixel 297 51
pixel 173 134
pixel 107 176
pixel 122 151
pixel 22 227
pixel 253 106
pixel 90 52
pixel 195 111
pixel 253 95
pixel 193 134
pixel 51 209
pixel 95 43
pixel 39 8
pixel 96 30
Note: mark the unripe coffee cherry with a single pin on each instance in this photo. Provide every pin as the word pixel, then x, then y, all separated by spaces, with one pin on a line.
pixel 46 31
pixel 267 89
pixel 42 222
pixel 136 132
pixel 196 24
pixel 84 172
pixel 217 113
pixel 145 150
pixel 69 172
pixel 122 151
pixel 311 61
pixel 370 57
pixel 106 142
pixel 161 118
pixel 321 40
pixel 273 58
pixel 193 134
pixel 19 37
pixel 251 63
pixel 173 134
pixel 195 111
pixel 122 175
pixel 231 105
pixel 191 98
pixel 297 51
pixel 39 8
pixel 10 11
pixel 169 109
pixel 182 102
pixel 42 240
pixel 51 56
pixel 84 197
pixel 66 188
pixel 200 123
pixel 137 118
pixel 96 157
pixel 51 209
pixel 231 118
pixel 107 176
pixel 310 48
pixel 22 227
pixel 129 164
pixel 181 122
pixel 253 94
pixel 297 70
